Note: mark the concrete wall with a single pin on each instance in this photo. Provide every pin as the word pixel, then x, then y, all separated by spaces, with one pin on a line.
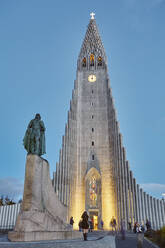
pixel 8 216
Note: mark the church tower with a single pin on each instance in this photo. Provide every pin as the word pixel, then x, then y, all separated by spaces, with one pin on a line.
pixel 93 173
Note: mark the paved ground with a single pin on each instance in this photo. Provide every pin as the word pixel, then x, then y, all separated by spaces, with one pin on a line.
pixel 95 240
pixel 131 242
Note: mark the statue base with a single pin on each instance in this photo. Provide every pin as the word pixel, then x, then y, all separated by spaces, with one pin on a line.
pixel 43 235
pixel 42 215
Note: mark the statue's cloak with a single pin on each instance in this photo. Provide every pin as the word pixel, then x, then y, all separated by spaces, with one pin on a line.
pixel 27 139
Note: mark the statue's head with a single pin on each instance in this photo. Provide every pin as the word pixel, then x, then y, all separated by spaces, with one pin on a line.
pixel 38 117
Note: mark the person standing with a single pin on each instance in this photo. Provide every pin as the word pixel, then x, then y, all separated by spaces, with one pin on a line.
pixel 90 225
pixel 102 224
pixel 129 226
pixel 123 229
pixel 113 224
pixel 71 221
pixel 84 224
pixel 140 235
pixel 135 227
pixel 148 225
pixel 80 225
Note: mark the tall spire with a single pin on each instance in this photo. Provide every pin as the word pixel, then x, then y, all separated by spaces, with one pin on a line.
pixel 92 43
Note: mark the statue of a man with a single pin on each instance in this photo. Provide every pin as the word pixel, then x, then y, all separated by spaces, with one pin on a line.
pixel 34 140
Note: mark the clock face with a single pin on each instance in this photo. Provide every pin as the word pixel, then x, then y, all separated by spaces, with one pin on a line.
pixel 92 78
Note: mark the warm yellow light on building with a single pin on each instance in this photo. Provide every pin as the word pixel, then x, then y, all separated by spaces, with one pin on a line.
pixel 108 202
pixel 78 207
pixel 107 210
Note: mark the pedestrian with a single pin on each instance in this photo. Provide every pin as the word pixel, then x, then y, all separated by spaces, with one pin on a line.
pixel 135 226
pixel 113 224
pixel 71 221
pixel 140 235
pixel 148 225
pixel 90 225
pixel 80 225
pixel 129 226
pixel 102 224
pixel 84 224
pixel 123 229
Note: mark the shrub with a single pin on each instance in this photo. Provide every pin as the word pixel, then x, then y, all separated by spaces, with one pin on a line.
pixel 163 236
pixel 157 236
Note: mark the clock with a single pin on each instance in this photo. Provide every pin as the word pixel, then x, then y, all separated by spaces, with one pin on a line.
pixel 92 78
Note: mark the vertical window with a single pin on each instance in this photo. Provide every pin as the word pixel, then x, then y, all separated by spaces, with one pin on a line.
pixel 99 60
pixel 91 103
pixel 92 116
pixel 93 157
pixel 92 59
pixel 92 91
pixel 93 191
pixel 92 129
pixel 84 62
pixel 92 143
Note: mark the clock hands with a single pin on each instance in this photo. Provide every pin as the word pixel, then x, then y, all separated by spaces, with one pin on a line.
pixel 92 78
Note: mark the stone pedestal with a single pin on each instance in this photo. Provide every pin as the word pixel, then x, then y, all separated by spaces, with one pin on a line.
pixel 42 216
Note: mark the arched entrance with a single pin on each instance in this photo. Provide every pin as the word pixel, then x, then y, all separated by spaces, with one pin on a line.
pixel 93 196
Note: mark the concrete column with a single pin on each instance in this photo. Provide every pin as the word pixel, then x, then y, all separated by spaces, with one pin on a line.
pixel 133 197
pixel 63 170
pixel 57 179
pixel 159 213
pixel 164 206
pixel 66 166
pixel 136 200
pixel 139 203
pixel 130 194
pixel 60 172
pixel 116 171
pixel 146 205
pixel 118 205
pixel 163 212
pixel 115 164
pixel 68 163
pixel 54 180
pixel 142 206
pixel 151 210
pixel 153 224
pixel 156 214
pixel 149 207
pixel 126 188
pixel 122 181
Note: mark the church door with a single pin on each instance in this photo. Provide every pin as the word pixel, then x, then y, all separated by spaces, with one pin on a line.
pixel 93 196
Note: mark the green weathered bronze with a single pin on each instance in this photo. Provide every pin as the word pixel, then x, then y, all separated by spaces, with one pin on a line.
pixel 34 139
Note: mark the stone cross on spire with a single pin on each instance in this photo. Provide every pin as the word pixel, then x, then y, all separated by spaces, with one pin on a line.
pixel 92 15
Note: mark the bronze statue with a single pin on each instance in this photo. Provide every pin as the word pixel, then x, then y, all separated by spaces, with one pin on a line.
pixel 34 139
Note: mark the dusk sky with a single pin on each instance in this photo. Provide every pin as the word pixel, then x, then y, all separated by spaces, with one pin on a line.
pixel 39 45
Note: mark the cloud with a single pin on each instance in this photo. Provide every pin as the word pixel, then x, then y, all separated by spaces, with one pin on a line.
pixel 11 187
pixel 154 189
